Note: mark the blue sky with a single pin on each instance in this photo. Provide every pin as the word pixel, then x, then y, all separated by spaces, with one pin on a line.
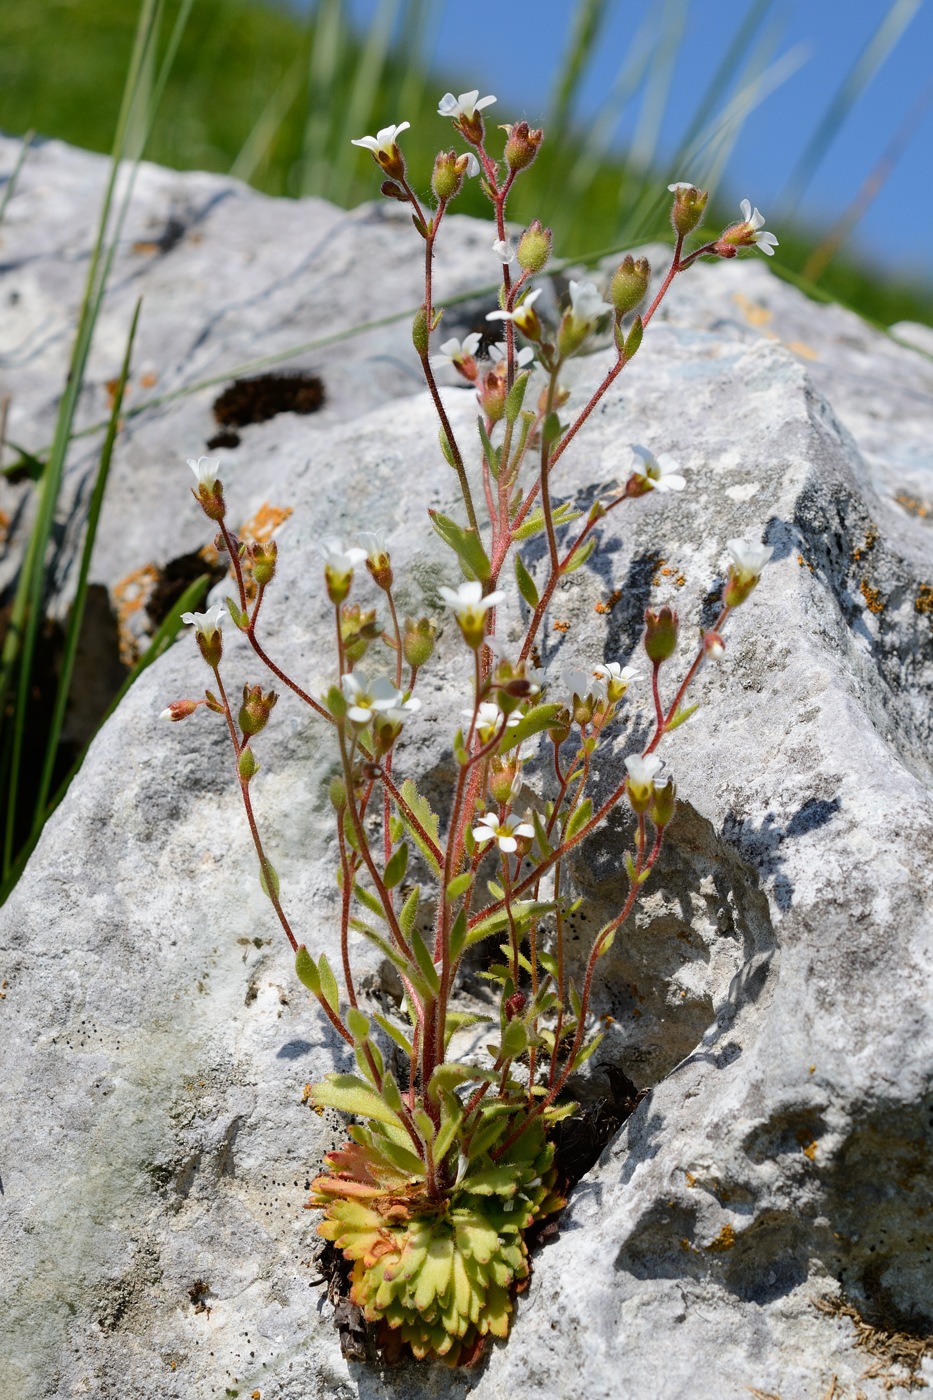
pixel 514 49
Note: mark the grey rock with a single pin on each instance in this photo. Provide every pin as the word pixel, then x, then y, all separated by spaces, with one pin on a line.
pixel 772 990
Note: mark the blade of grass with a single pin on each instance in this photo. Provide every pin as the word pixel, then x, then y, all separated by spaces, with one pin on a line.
pixel 12 178
pixel 866 66
pixel 77 608
pixel 589 19
pixel 418 28
pixel 259 142
pixel 370 68
pixel 325 59
pixel 725 73
pixel 160 643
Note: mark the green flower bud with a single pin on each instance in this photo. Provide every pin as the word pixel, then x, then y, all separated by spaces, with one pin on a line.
pixel 337 793
pixel 662 804
pixel 522 146
pixel 534 247
pixel 418 641
pixel 262 558
pixel 688 207
pixel 447 176
pixel 246 764
pixel 629 284
pixel 419 331
pixel 660 633
pixel 256 708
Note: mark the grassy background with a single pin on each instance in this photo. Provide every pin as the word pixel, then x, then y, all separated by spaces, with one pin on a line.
pixel 275 97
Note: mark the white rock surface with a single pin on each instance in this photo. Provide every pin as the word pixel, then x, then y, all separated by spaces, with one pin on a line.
pixel 775 987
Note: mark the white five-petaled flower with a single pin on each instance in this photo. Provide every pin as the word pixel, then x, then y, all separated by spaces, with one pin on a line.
pixel 657 473
pixel 503 832
pixel 467 601
pixel 586 304
pixel 615 677
pixel 523 316
pixel 503 250
pixel 454 351
pixel 207 623
pixel 374 545
pixel 206 470
pixel 383 140
pixel 466 105
pixel 749 556
pixel 489 718
pixel 523 357
pixel 340 561
pixel 765 242
pixel 578 685
pixel 643 771
pixel 380 697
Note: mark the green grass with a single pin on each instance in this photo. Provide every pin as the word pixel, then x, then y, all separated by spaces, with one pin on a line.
pixel 251 91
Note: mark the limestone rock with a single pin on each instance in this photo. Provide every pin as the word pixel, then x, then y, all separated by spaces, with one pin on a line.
pixel 773 990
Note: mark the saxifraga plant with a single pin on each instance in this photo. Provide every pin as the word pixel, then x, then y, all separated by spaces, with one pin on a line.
pixel 449 1164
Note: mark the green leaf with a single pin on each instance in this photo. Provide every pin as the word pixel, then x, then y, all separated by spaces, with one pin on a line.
pixel 451 1121
pixel 447 449
pixel 489 452
pixel 533 524
pixel 514 1039
pixel 369 901
pixel 579 819
pixel 493 1181
pixel 452 1072
pixel 239 618
pixel 587 1050
pixel 549 963
pixel 357 1023
pixel 349 1094
pixel 425 961
pixel 425 1125
pixel 362 1059
pixel 681 717
pixel 459 885
pixel 516 397
pixel 607 943
pixel 409 911
pixel 458 935
pixel 526 584
pixel 306 968
pixel 551 429
pixel 394 1033
pixel 580 555
pixel 268 880
pixel 523 911
pixel 466 544
pixel 395 869
pixel 544 845
pixel 421 810
pixel 532 722
pixel 402 1158
pixel 391 1092
pixel 633 339
pixel 329 984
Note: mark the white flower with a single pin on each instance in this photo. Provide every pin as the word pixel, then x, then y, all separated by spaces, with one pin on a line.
pixel 454 351
pixel 374 545
pixel 749 556
pixel 523 316
pixel 657 473
pixel 489 718
pixel 503 833
pixel 766 242
pixel 472 165
pixel 466 105
pixel 339 561
pixel 206 470
pixel 379 698
pixel 643 771
pixel 586 304
pixel 207 623
pixel 524 356
pixel 383 140
pixel 615 678
pixel 468 601
pixel 503 250
pixel 681 185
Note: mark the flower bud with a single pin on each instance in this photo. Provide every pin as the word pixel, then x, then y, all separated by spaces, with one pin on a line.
pixel 502 776
pixel 262 558
pixel 660 633
pixel 639 785
pixel 688 207
pixel 662 804
pixel 420 335
pixel 522 145
pixel 393 191
pixel 180 709
pixel 514 1005
pixel 447 176
pixel 337 793
pixel 713 645
pixel 534 247
pixel 247 764
pixel 256 709
pixel 629 284
pixel 559 729
pixel 385 733
pixel 358 628
pixel 749 558
pixel 492 393
pixel 418 641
